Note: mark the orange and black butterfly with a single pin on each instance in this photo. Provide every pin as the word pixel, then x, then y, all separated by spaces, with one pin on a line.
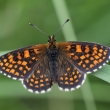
pixel 66 63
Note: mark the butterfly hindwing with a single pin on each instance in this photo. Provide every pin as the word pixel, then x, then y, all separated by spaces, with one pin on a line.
pixel 87 57
pixel 69 77
pixel 40 79
pixel 18 64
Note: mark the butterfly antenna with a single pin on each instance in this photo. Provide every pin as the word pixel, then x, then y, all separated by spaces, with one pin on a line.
pixel 62 26
pixel 37 28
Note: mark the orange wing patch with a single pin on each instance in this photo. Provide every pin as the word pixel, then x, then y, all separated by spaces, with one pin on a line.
pixel 78 48
pixel 26 54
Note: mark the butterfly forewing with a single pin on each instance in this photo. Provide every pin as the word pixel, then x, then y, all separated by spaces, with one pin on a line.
pixel 87 57
pixel 20 63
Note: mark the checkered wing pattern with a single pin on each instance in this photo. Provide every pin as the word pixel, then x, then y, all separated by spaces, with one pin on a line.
pixel 40 79
pixel 87 57
pixel 19 64
pixel 69 77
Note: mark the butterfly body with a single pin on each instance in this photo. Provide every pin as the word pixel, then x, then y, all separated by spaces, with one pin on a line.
pixel 53 53
pixel 64 63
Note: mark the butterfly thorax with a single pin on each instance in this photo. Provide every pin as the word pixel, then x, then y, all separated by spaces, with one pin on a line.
pixel 52 53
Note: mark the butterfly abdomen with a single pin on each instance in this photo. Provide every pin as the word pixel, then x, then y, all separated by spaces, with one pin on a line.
pixel 53 59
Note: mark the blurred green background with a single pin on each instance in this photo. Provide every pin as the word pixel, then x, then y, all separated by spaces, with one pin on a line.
pixel 90 21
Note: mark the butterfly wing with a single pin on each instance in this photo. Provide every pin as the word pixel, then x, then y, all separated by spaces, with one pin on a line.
pixel 86 57
pixel 40 79
pixel 69 77
pixel 20 63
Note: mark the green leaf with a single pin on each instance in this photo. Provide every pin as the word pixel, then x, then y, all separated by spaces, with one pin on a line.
pixel 103 73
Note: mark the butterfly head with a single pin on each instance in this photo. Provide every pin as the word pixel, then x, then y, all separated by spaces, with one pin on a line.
pixel 51 40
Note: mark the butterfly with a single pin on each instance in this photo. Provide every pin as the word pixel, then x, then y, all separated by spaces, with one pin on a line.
pixel 40 66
